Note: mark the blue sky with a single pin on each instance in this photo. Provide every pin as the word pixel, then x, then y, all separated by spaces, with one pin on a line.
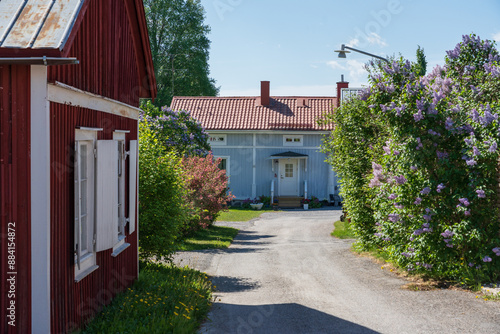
pixel 291 43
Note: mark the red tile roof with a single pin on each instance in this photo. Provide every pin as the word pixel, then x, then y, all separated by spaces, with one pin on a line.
pixel 246 113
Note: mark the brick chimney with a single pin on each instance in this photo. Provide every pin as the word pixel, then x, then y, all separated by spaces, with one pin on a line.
pixel 264 93
pixel 341 84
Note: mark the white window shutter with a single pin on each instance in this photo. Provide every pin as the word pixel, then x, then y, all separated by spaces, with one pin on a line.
pixel 133 169
pixel 78 215
pixel 106 194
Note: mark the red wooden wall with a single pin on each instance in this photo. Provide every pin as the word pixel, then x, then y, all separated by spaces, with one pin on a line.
pixel 73 304
pixel 15 193
pixel 104 46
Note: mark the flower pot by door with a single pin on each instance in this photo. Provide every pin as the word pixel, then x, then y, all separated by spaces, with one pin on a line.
pixel 306 206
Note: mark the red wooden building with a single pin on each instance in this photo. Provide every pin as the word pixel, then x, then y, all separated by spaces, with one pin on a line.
pixel 71 76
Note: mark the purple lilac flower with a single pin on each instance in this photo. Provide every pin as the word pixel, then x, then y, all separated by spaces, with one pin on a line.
pixel 392 196
pixel 440 187
pixel 471 264
pixel 394 217
pixel 471 162
pixel 418 232
pixel 449 123
pixel 434 133
pixel 406 254
pixel 487 259
pixel 387 150
pixel 496 250
pixel 480 193
pixel 427 266
pixel 398 206
pixel 475 115
pixel 467 213
pixel 442 155
pixel 475 151
pixel 427 217
pixel 468 141
pixel 400 179
pixel 418 116
pixel 418 200
pixel 493 147
pixel 425 191
pixel 413 168
pixel 464 201
pixel 396 152
pixel 426 225
pixel 447 234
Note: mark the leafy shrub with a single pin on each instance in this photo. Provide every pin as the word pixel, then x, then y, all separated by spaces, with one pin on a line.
pixel 315 203
pixel 266 200
pixel 418 159
pixel 162 211
pixel 207 193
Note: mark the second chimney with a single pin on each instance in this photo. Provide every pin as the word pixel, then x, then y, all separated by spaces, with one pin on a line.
pixel 264 93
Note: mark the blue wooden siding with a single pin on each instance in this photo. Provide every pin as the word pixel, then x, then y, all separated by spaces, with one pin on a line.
pixel 240 150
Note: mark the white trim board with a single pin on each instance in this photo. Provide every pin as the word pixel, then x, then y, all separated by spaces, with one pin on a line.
pixel 40 201
pixel 275 132
pixel 64 94
pixel 290 148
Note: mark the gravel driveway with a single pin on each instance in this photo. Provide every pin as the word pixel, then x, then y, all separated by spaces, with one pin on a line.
pixel 284 273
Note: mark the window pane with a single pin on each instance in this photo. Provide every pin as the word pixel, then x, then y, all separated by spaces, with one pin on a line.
pixel 83 244
pixel 83 202
pixel 223 164
pixel 83 161
pixel 288 170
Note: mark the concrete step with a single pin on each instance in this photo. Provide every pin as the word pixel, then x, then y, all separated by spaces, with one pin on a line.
pixel 289 202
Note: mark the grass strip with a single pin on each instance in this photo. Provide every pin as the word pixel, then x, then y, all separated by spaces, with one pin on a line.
pixel 165 299
pixel 240 215
pixel 342 231
pixel 211 238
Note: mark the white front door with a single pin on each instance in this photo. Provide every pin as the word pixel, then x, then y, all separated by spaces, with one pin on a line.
pixel 289 177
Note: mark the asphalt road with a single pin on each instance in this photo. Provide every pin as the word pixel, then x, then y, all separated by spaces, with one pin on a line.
pixel 284 273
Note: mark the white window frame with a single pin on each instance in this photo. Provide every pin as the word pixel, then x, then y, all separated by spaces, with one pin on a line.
pixel 85 263
pixel 228 164
pixel 293 140
pixel 215 139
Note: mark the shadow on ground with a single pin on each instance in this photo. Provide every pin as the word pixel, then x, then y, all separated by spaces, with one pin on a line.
pixel 233 284
pixel 276 319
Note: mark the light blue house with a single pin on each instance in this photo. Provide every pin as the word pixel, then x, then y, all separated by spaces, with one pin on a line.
pixel 268 145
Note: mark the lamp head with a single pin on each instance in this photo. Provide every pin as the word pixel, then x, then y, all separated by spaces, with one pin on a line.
pixel 342 52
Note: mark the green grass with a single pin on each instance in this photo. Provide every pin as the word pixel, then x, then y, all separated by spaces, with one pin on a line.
pixel 240 215
pixel 165 299
pixel 342 230
pixel 213 237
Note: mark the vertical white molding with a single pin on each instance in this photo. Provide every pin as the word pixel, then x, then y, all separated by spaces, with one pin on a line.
pixel 40 201
pixel 331 182
pixel 254 166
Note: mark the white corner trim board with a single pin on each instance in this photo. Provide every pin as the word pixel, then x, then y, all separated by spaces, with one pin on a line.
pixel 40 201
pixel 64 94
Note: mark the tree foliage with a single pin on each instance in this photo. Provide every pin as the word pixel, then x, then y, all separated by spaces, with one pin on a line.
pixel 421 62
pixel 418 159
pixel 176 131
pixel 180 49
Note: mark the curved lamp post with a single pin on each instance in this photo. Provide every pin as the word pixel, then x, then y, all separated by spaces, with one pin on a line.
pixel 344 49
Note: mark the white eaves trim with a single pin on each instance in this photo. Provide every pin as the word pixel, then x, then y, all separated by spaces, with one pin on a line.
pixel 274 132
pixel 64 94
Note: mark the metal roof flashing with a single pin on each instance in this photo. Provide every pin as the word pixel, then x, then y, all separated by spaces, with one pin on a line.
pixel 47 61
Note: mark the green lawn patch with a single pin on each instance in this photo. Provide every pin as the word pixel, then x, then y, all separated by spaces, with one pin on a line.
pixel 342 231
pixel 165 299
pixel 213 237
pixel 239 215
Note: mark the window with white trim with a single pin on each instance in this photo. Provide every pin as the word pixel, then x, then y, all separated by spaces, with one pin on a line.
pixel 85 260
pixel 217 139
pixel 99 175
pixel 295 140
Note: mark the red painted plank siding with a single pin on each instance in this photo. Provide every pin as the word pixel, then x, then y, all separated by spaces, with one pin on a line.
pixel 105 48
pixel 73 304
pixel 15 192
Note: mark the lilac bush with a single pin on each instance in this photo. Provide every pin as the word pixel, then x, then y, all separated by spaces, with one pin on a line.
pixel 431 142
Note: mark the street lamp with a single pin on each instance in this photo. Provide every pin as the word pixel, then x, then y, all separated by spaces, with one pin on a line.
pixel 342 53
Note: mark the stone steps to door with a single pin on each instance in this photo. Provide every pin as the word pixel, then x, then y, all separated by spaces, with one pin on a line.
pixel 289 202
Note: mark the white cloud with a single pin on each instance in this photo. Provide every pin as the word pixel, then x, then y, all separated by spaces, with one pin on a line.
pixel 355 68
pixel 314 66
pixel 375 39
pixel 353 42
pixel 496 37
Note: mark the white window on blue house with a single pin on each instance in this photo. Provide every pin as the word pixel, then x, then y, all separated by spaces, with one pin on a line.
pixel 217 140
pixel 224 164
pixel 293 140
